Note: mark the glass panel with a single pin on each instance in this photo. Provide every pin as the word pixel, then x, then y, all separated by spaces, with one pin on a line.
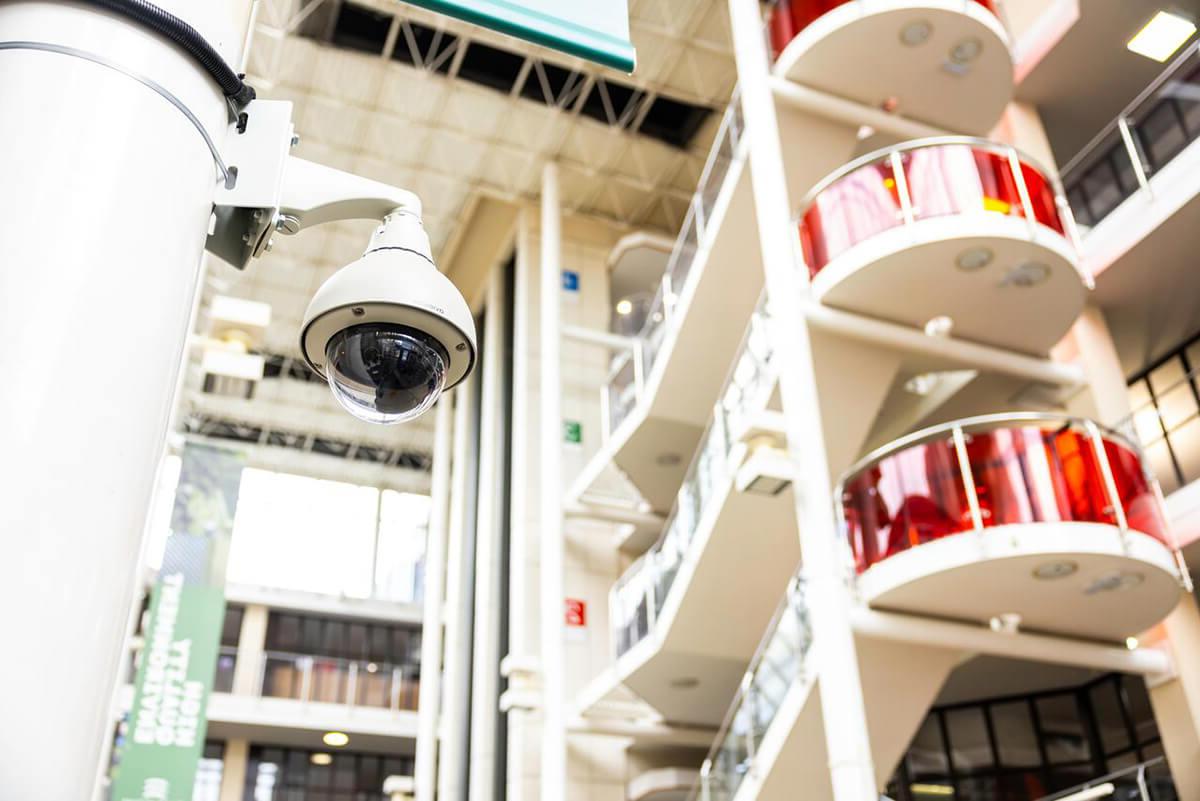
pixel 1101 182
pixel 1015 737
pixel 1062 730
pixel 283 676
pixel 329 681
pixel 969 745
pixel 1173 394
pixel 1160 132
pixel 223 677
pixel 1141 504
pixel 1137 701
pixel 1042 198
pixel 927 759
pixel 1159 783
pixel 1110 720
pixel 853 209
pixel 957 179
pixel 1185 442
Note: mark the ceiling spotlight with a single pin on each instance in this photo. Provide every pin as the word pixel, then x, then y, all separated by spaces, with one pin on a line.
pixel 974 259
pixel 1007 623
pixel 966 51
pixel 685 683
pixel 1031 273
pixel 1054 570
pixel 321 758
pixel 939 326
pixel 1131 643
pixel 1114 581
pixel 335 739
pixel 624 306
pixel 1162 36
pixel 921 384
pixel 916 33
pixel 668 459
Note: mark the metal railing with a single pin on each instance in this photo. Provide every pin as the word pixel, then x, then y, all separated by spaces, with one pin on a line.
pixel 332 680
pixel 1148 781
pixel 641 592
pixel 776 667
pixel 1152 130
pixel 625 386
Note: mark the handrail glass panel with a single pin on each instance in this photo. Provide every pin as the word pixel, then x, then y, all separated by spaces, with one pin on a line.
pixel 776 667
pixel 641 592
pixel 939 180
pixel 1139 143
pixel 1023 472
pixel 334 680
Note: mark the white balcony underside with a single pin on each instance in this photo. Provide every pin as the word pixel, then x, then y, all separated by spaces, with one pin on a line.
pixel 975 577
pixel 855 52
pixel 654 444
pixel 285 721
pixel 910 275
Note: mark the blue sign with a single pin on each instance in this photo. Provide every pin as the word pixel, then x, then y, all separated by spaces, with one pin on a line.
pixel 570 281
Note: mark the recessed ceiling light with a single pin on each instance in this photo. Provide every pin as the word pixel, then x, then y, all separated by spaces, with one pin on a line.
pixel 668 459
pixel 1055 570
pixel 335 739
pixel 1007 623
pixel 1162 36
pixel 921 384
pixel 974 259
pixel 1131 643
pixel 966 51
pixel 916 33
pixel 320 758
pixel 685 683
pixel 624 306
pixel 1031 273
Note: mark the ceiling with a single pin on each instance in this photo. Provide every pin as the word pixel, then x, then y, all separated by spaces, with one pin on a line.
pixel 404 96
pixel 1089 77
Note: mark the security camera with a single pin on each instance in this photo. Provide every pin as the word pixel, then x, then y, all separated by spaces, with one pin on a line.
pixel 389 332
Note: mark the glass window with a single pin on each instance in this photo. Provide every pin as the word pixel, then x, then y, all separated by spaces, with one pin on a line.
pixel 1110 718
pixel 207 786
pixel 970 747
pixel 1173 394
pixel 1137 701
pixel 1016 740
pixel 1185 442
pixel 400 565
pixel 1062 729
pixel 283 774
pixel 231 629
pixel 927 759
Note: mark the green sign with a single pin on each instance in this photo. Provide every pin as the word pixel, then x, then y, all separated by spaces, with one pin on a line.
pixel 597 30
pixel 165 736
pixel 572 432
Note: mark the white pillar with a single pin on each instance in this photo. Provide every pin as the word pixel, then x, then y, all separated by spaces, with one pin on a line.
pixel 104 209
pixel 554 729
pixel 250 665
pixel 431 628
pixel 850 766
pixel 233 770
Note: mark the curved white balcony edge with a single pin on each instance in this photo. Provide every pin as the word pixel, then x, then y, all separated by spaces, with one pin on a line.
pixel 1111 586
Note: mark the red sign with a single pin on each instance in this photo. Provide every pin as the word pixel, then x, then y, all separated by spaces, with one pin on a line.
pixel 576 613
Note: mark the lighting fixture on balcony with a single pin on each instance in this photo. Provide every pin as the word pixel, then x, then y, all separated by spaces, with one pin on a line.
pixel 966 51
pixel 668 459
pixel 1055 570
pixel 1131 643
pixel 931 789
pixel 372 667
pixel 767 485
pixel 624 306
pixel 335 739
pixel 974 259
pixel 1007 623
pixel 321 758
pixel 1162 36
pixel 939 326
pixel 685 683
pixel 916 33
pixel 1031 273
pixel 1114 581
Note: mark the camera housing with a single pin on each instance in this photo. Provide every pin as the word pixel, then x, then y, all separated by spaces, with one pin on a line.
pixel 389 332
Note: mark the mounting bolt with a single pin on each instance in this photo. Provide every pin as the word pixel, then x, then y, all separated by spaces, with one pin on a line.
pixel 270 244
pixel 287 224
pixel 295 139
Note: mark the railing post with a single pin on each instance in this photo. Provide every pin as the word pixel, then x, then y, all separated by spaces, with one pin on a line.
pixel 639 372
pixel 1110 483
pixel 1135 154
pixel 352 685
pixel 906 206
pixel 1141 780
pixel 306 678
pixel 1014 165
pixel 968 477
pixel 394 692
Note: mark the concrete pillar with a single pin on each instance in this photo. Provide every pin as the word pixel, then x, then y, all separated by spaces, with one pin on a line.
pixel 1176 701
pixel 233 771
pixel 248 669
pixel 1089 344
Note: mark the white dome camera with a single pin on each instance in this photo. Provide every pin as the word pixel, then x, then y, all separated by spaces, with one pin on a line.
pixel 389 332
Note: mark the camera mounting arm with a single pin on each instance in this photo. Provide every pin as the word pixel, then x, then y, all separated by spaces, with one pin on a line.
pixel 273 191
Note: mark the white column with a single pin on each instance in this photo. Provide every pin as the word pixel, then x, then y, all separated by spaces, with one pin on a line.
pixel 850 767
pixel 251 651
pixel 104 209
pixel 431 627
pixel 233 770
pixel 554 730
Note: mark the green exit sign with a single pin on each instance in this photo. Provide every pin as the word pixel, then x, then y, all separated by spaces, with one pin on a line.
pixel 597 30
pixel 572 432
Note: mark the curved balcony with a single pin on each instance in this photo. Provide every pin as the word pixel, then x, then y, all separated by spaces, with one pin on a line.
pixel 943 62
pixel 950 227
pixel 1040 520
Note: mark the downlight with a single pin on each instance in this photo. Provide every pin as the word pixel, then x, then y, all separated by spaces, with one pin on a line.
pixel 966 51
pixel 974 259
pixel 1026 275
pixel 1055 570
pixel 916 33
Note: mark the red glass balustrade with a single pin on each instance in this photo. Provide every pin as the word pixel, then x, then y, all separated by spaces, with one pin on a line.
pixel 789 17
pixel 941 180
pixel 1022 474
